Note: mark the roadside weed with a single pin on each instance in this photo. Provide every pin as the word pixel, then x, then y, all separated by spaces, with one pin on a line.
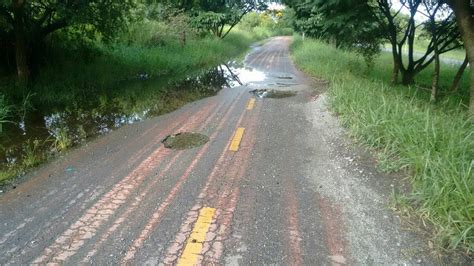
pixel 31 156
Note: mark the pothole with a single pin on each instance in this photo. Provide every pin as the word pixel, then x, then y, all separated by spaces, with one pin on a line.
pixel 185 140
pixel 285 84
pixel 264 93
pixel 284 77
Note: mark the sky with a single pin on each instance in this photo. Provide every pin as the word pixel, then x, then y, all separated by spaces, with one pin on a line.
pixel 276 6
pixel 419 17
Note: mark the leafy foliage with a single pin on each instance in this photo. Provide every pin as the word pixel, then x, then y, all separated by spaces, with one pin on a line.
pixel 26 24
pixel 42 17
pixel 345 23
pixel 215 16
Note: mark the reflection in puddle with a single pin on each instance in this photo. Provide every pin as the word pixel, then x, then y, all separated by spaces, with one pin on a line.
pixel 56 126
pixel 247 75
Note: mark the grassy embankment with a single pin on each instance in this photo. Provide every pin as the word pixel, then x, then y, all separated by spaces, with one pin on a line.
pixel 434 142
pixel 82 81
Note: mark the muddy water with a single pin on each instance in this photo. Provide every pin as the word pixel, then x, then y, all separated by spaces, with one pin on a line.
pixel 47 129
pixel 185 140
pixel 277 94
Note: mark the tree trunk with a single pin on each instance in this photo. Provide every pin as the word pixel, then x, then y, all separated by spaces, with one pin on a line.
pixel 395 70
pixel 465 21
pixel 408 77
pixel 21 47
pixel 435 82
pixel 457 78
pixel 396 65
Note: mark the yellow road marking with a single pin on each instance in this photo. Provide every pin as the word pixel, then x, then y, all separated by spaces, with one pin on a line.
pixel 195 241
pixel 251 104
pixel 235 143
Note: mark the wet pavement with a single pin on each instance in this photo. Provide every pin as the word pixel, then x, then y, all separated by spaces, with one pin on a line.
pixel 272 185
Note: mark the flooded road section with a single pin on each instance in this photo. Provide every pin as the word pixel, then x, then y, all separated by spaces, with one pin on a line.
pixel 46 130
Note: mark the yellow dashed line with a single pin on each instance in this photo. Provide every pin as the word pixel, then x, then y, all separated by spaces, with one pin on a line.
pixel 198 235
pixel 251 104
pixel 239 133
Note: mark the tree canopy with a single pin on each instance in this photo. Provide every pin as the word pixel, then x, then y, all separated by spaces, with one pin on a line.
pixel 216 15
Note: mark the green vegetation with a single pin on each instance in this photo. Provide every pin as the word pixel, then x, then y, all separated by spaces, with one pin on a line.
pixel 31 156
pixel 269 23
pixel 435 142
pixel 5 110
pixel 218 16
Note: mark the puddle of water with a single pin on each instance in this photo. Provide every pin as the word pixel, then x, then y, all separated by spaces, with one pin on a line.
pixel 277 94
pixel 51 127
pixel 185 140
pixel 284 77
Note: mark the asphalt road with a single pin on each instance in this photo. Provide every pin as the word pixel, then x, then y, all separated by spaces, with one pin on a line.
pixel 278 183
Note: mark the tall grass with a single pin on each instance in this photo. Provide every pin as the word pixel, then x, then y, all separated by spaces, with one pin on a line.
pixel 435 142
pixel 5 110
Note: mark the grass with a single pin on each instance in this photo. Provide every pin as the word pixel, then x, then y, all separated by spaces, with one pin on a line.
pixel 5 111
pixel 434 142
pixel 31 156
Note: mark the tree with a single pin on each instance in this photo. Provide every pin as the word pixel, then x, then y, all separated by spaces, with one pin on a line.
pixel 433 27
pixel 27 23
pixel 401 30
pixel 345 23
pixel 217 16
pixel 465 20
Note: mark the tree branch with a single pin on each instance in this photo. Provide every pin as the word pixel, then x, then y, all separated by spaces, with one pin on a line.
pixel 52 27
pixel 247 10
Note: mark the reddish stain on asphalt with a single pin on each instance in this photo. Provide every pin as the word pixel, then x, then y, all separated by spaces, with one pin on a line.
pixel 293 247
pixel 334 231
